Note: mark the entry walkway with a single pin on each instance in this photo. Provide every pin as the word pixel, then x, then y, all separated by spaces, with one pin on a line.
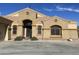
pixel 39 47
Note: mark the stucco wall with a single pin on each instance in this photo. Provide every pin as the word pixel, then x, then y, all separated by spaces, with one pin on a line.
pixel 18 18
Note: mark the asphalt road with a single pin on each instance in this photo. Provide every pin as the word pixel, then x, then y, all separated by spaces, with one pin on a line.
pixel 39 48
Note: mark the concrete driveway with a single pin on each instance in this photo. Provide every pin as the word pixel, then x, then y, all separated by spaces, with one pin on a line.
pixel 39 48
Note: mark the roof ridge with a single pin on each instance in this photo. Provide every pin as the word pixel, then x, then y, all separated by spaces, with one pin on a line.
pixel 61 18
pixel 25 9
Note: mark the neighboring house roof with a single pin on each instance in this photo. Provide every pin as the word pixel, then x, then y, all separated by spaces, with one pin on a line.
pixel 5 20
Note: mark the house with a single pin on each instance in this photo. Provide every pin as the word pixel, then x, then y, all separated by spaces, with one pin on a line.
pixel 31 23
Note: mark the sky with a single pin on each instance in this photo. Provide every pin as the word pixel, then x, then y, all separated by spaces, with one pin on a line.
pixel 69 11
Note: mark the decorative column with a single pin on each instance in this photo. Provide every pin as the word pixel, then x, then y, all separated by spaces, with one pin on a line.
pixel 42 30
pixel 7 34
pixel 25 30
pixel 34 31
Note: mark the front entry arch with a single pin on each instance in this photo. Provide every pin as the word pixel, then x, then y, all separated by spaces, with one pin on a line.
pixel 27 28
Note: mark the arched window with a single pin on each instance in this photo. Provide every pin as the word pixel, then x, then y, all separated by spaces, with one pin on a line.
pixel 56 30
pixel 14 29
pixel 39 29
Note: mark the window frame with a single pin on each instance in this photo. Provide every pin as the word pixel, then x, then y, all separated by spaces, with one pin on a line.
pixel 56 30
pixel 14 29
pixel 39 29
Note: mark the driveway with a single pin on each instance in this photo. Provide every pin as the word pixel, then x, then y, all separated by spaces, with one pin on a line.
pixel 39 48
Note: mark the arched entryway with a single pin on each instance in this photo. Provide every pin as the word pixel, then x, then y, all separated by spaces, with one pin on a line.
pixel 27 28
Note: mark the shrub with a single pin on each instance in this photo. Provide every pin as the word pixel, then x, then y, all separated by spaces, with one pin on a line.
pixel 19 38
pixel 34 38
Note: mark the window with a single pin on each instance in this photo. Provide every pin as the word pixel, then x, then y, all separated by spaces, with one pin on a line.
pixel 14 29
pixel 56 30
pixel 39 29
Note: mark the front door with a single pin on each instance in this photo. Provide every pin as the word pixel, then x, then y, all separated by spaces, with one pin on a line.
pixel 29 33
pixel 28 26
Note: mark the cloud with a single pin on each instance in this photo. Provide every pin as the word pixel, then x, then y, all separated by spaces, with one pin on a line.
pixel 38 9
pixel 48 9
pixel 67 9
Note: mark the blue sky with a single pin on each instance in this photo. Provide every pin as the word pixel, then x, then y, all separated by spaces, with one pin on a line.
pixel 67 11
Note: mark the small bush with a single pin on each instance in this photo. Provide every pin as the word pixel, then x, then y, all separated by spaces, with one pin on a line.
pixel 34 38
pixel 19 38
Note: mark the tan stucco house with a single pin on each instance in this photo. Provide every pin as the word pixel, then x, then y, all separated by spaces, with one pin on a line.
pixel 30 23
